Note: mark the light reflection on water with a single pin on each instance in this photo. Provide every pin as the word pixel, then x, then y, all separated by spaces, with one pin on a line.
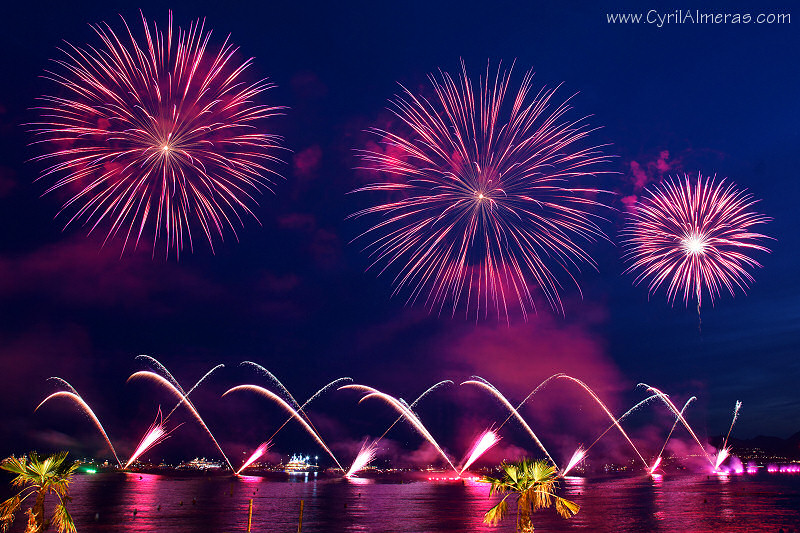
pixel 106 502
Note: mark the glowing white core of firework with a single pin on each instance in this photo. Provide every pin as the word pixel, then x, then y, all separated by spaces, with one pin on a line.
pixel 721 456
pixel 694 244
pixel 260 451
pixel 152 437
pixel 656 464
pixel 576 458
pixel 364 457
pixel 487 439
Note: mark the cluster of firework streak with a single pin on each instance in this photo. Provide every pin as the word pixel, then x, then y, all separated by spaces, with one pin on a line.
pixel 485 199
pixel 297 412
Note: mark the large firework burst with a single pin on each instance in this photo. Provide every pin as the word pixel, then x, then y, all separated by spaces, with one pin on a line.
pixel 154 137
pixel 483 200
pixel 695 237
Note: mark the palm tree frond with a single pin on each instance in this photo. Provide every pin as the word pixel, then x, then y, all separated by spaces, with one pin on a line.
pixel 494 515
pixel 566 508
pixel 8 509
pixel 62 519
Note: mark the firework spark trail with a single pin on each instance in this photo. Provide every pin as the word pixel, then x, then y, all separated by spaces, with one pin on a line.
pixel 186 395
pixel 257 454
pixel 603 406
pixel 364 457
pixel 678 414
pixel 414 403
pixel 484 198
pixel 406 413
pixel 274 379
pixel 301 407
pixel 576 458
pixel 401 417
pixel 621 418
pixel 287 395
pixel 528 397
pixel 735 416
pixel 74 396
pixel 693 236
pixel 497 394
pixel 295 414
pixel 675 424
pixel 485 440
pixel 63 383
pixel 154 436
pixel 156 135
pixel 156 364
pixel 146 374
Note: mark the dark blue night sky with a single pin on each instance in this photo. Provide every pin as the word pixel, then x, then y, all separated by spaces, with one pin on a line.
pixel 293 295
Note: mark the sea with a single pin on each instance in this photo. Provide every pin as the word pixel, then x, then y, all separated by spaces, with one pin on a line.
pixel 132 502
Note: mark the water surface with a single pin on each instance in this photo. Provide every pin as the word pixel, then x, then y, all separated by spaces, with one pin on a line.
pixel 679 503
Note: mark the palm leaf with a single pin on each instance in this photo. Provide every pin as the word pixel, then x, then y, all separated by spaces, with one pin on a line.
pixel 7 511
pixel 62 519
pixel 494 515
pixel 566 508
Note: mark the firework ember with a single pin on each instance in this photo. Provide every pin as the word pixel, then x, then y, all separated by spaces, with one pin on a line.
pixel 260 451
pixel 486 440
pixel 695 237
pixel 154 435
pixel 483 197
pixel 655 466
pixel 151 137
pixel 723 454
pixel 576 458
pixel 364 457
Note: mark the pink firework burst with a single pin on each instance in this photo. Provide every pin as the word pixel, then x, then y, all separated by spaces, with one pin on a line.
pixel 156 136
pixel 483 200
pixel 695 237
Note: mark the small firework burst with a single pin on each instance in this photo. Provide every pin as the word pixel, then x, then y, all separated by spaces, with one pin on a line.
pixel 695 237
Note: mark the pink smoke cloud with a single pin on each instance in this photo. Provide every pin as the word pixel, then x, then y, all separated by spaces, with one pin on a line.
pixel 306 162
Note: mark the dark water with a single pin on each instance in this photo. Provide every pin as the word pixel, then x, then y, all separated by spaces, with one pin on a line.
pixel 106 502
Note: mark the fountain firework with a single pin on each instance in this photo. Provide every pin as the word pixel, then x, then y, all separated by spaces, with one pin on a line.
pixel 364 457
pixel 73 395
pixel 257 454
pixel 664 398
pixel 725 452
pixel 156 434
pixel 406 413
pixel 182 398
pixel 655 466
pixel 486 440
pixel 307 402
pixel 576 458
pixel 294 413
pixel 479 381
